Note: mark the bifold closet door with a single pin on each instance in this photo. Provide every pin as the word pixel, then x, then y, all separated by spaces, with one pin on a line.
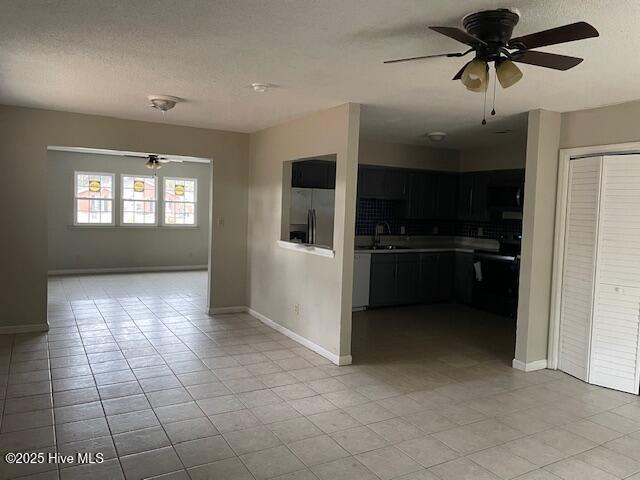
pixel 615 335
pixel 578 276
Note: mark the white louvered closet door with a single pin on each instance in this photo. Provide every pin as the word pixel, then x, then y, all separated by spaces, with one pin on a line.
pixel 615 336
pixel 579 266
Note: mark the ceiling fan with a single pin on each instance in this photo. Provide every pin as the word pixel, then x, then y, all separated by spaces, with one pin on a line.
pixel 488 35
pixel 154 161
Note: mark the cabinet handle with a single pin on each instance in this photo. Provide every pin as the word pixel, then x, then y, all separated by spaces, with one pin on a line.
pixel 619 290
pixel 470 201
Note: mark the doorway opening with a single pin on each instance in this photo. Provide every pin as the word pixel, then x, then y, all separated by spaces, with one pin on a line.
pixel 128 224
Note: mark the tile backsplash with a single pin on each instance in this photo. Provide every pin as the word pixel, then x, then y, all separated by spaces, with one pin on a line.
pixel 496 230
pixel 371 212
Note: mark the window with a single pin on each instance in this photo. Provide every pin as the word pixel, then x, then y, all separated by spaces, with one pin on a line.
pixel 180 201
pixel 138 200
pixel 93 198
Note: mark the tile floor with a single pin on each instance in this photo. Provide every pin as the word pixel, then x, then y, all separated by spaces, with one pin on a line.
pixel 133 368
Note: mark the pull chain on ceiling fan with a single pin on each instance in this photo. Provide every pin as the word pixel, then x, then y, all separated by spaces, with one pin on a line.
pixel 488 35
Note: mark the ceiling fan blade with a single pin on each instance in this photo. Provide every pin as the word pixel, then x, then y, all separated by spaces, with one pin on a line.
pixel 422 57
pixel 458 75
pixel 169 160
pixel 459 35
pixel 137 156
pixel 544 59
pixel 553 36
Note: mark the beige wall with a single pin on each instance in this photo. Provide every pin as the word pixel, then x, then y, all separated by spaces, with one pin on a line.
pixel 601 126
pixel 279 278
pixel 407 156
pixel 541 174
pixel 503 156
pixel 24 136
pixel 547 133
pixel 121 246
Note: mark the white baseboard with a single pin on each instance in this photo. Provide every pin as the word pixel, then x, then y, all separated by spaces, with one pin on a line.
pixel 223 310
pixel 531 366
pixel 332 357
pixel 33 327
pixel 92 271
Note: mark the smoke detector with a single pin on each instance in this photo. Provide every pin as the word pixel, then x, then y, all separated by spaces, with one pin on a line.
pixel 163 102
pixel 436 136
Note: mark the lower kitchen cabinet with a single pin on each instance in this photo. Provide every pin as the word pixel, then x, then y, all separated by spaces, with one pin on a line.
pixel 406 278
pixel 436 277
pixel 382 285
pixel 394 279
pixel 464 274
pixel 446 274
pixel 428 277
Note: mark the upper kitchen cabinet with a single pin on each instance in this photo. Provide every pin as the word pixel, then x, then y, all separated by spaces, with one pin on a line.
pixel 380 182
pixel 313 174
pixel 472 196
pixel 446 196
pixel 422 192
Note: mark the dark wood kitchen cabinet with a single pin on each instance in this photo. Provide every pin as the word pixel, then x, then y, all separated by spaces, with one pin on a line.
pixel 432 196
pixel 313 174
pixel 382 285
pixel 422 198
pixel 406 278
pixel 436 277
pixel 446 196
pixel 463 289
pixel 394 279
pixel 383 183
pixel 446 274
pixel 428 277
pixel 472 196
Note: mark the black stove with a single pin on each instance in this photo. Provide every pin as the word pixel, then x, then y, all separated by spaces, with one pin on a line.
pixel 496 279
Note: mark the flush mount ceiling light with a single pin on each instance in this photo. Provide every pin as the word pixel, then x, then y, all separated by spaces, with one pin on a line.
pixel 436 136
pixel 260 87
pixel 163 102
pixel 488 35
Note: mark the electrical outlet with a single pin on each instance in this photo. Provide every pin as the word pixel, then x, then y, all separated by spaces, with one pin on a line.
pixel 296 309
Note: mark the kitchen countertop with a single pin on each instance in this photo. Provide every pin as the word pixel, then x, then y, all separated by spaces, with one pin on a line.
pixel 415 250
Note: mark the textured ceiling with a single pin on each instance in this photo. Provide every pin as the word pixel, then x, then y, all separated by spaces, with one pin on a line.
pixel 104 57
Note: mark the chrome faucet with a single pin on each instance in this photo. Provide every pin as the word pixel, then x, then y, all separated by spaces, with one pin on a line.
pixel 376 232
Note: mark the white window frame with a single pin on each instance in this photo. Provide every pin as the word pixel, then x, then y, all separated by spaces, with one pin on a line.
pixel 195 203
pixel 122 200
pixel 76 198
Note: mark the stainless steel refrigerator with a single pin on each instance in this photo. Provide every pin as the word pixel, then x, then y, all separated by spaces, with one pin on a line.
pixel 312 209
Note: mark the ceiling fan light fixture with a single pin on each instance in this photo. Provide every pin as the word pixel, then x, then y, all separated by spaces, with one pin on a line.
pixel 153 164
pixel 508 73
pixel 476 76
